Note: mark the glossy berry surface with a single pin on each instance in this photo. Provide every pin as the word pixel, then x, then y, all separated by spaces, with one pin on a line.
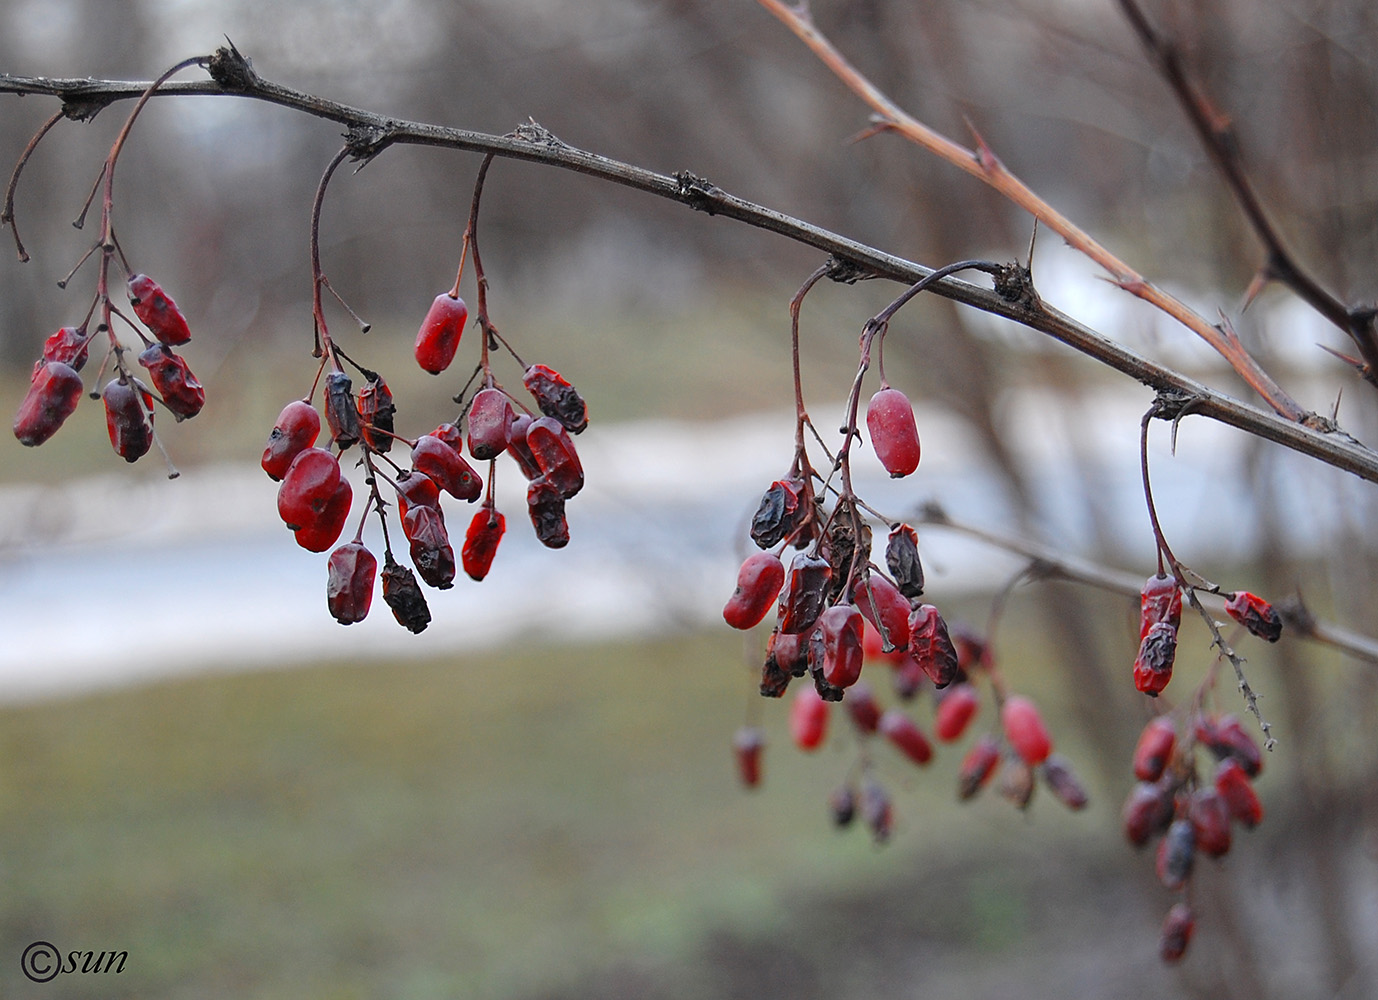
pixel 438 338
pixel 481 542
pixel 758 584
pixel 1154 749
pixel 68 345
pixel 930 645
pixel 308 487
pixel 1159 601
pixel 297 427
pixel 894 435
pixel 843 655
pixel 325 530
pixel 351 571
pixel 955 712
pixel 1024 728
pixel 54 392
pixel 157 311
pixel 172 377
pixel 808 719
pixel 881 604
pixel 490 415
pixel 447 467
pixel 553 450
pixel 1235 788
pixel 906 735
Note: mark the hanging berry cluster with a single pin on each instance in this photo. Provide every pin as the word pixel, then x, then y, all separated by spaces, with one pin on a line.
pixel 315 498
pixel 55 385
pixel 836 609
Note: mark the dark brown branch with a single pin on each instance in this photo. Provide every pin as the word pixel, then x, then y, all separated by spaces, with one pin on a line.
pixel 1214 130
pixel 368 134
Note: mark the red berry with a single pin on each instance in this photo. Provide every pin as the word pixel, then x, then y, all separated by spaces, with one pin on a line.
pixel 955 712
pixel 1063 782
pixel 556 397
pixel 861 705
pixel 1225 737
pixel 1025 730
pixel 431 552
pixel 758 584
pixel 1154 748
pixel 1255 614
pixel 1210 818
pixel 1017 782
pixel 325 530
pixel 747 745
pixel 519 449
pixel 553 450
pixel 447 467
pixel 1147 811
pixel 1234 786
pixel 547 509
pixel 890 421
pixel 1153 665
pixel 977 767
pixel 308 487
pixel 490 414
pixel 157 310
pixel 438 338
pixel 127 420
pixel 1176 854
pixel 806 585
pixel 68 345
pixel 840 627
pixel 349 586
pixel 808 719
pixel 174 381
pixel 376 413
pixel 786 658
pixel 1178 926
pixel 905 734
pixel 54 392
pixel 450 434
pixel 886 609
pixel 930 645
pixel 416 489
pixel 1159 601
pixel 297 428
pixel 481 541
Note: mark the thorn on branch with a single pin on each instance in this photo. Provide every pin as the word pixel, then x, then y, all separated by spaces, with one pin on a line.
pixel 232 70
pixel 80 107
pixel 364 142
pixel 697 192
pixel 846 272
pixel 1014 284
pixel 534 132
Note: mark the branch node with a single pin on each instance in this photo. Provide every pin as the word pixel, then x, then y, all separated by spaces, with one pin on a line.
pixel 232 70
pixel 845 271
pixel 699 193
pixel 534 132
pixel 1014 283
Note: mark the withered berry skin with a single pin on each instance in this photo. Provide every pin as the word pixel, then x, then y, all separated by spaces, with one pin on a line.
pixel 1256 615
pixel 778 514
pixel 157 310
pixel 438 339
pixel 447 467
pixel 349 585
pixel 1159 601
pixel 1063 782
pixel 977 767
pixel 1178 927
pixel 131 434
pixel 1176 854
pixel 376 415
pixel 403 595
pixel 341 411
pixel 431 552
pixel 894 435
pixel 1154 749
pixel 1234 786
pixel 758 584
pixel 172 377
pixel 556 397
pixel 53 395
pixel 1157 653
pixel 930 645
pixel 546 507
pixel 801 601
pixel 902 559
pixel 550 445
pixel 68 345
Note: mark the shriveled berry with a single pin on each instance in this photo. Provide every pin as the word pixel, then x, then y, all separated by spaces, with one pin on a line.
pixel 778 514
pixel 1147 811
pixel 1153 665
pixel 519 449
pixel 747 745
pixel 860 703
pixel 481 541
pixel 906 735
pixel 308 487
pixel 977 767
pixel 1159 601
pixel 297 427
pixel 450 434
pixel 1176 854
pixel 840 626
pixel 801 600
pixel 556 397
pixel 68 345
pixel 416 489
pixel 349 585
pixel 758 584
pixel 902 559
pixel 894 436
pixel 403 595
pixel 808 719
pixel 1210 818
pixel 431 552
pixel 1255 614
pixel 1025 730
pixel 54 392
pixel 786 658
pixel 376 415
pixel 1178 927
pixel 1063 782
pixel 325 530
pixel 1154 749
pixel 886 609
pixel 553 450
pixel 842 805
pixel 1235 788
pixel 438 338
pixel 876 811
pixel 341 411
pixel 174 381
pixel 157 310
pixel 490 414
pixel 955 712
pixel 1225 736
pixel 547 509
pixel 447 467
pixel 930 645
pixel 127 420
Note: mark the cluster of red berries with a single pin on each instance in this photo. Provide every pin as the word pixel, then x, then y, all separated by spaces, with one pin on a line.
pixel 314 499
pixel 55 387
pixel 1190 818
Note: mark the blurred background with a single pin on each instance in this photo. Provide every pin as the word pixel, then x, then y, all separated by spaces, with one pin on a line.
pixel 536 797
